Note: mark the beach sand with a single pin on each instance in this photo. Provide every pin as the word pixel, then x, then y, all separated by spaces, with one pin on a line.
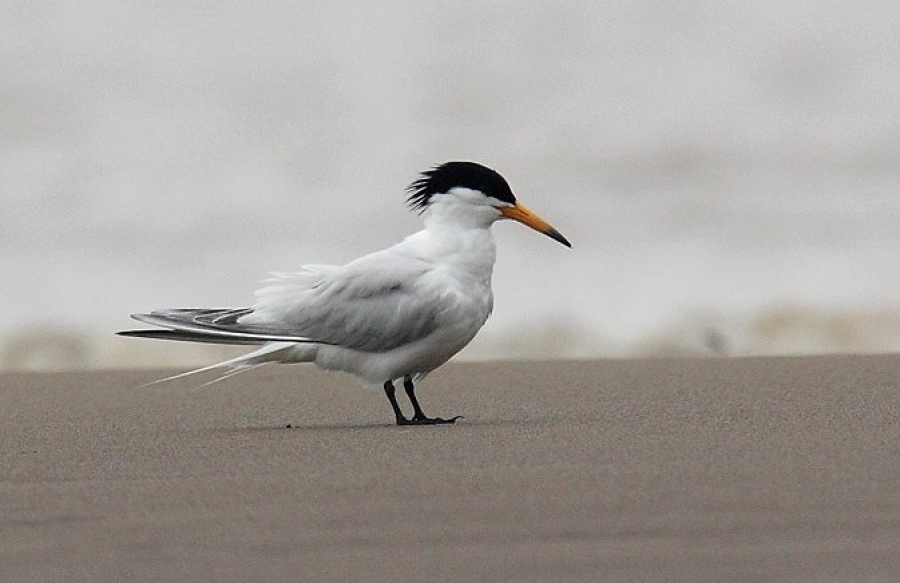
pixel 691 469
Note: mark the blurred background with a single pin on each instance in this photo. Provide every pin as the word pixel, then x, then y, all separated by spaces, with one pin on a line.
pixel 728 172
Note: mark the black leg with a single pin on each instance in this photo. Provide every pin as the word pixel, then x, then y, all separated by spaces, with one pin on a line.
pixel 418 415
pixel 411 394
pixel 389 391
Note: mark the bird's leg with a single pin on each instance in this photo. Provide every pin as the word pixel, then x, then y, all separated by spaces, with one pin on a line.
pixel 418 415
pixel 389 391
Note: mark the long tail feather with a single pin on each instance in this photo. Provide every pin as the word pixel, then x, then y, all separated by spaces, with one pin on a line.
pixel 238 365
pixel 239 369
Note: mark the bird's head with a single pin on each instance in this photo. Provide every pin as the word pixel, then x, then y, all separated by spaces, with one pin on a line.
pixel 475 191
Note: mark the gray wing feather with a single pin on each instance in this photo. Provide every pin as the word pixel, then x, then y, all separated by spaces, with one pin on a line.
pixel 184 336
pixel 219 326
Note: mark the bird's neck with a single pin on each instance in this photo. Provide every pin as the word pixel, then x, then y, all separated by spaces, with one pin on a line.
pixel 452 212
pixel 467 252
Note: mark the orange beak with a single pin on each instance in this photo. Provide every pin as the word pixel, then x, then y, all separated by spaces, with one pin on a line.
pixel 518 212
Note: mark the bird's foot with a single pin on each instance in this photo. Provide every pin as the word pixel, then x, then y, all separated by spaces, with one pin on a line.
pixel 422 420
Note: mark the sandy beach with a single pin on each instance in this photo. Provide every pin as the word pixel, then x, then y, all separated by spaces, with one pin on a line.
pixel 694 469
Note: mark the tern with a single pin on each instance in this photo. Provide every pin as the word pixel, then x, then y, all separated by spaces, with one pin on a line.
pixel 398 313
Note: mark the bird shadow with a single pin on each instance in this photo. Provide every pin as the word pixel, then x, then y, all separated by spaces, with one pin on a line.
pixel 473 423
pixel 311 427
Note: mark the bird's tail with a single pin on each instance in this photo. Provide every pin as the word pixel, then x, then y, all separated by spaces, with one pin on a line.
pixel 272 352
pixel 224 326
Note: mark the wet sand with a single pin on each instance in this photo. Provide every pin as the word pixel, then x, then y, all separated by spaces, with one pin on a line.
pixel 737 469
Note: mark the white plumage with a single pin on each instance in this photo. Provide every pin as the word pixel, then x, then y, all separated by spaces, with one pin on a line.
pixel 395 314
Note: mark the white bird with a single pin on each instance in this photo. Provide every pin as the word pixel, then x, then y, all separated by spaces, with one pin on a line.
pixel 395 314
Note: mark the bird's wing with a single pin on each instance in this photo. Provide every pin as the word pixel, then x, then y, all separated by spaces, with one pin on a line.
pixel 376 303
pixel 210 325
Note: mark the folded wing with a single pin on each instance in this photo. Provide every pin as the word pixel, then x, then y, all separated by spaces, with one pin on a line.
pixel 374 304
